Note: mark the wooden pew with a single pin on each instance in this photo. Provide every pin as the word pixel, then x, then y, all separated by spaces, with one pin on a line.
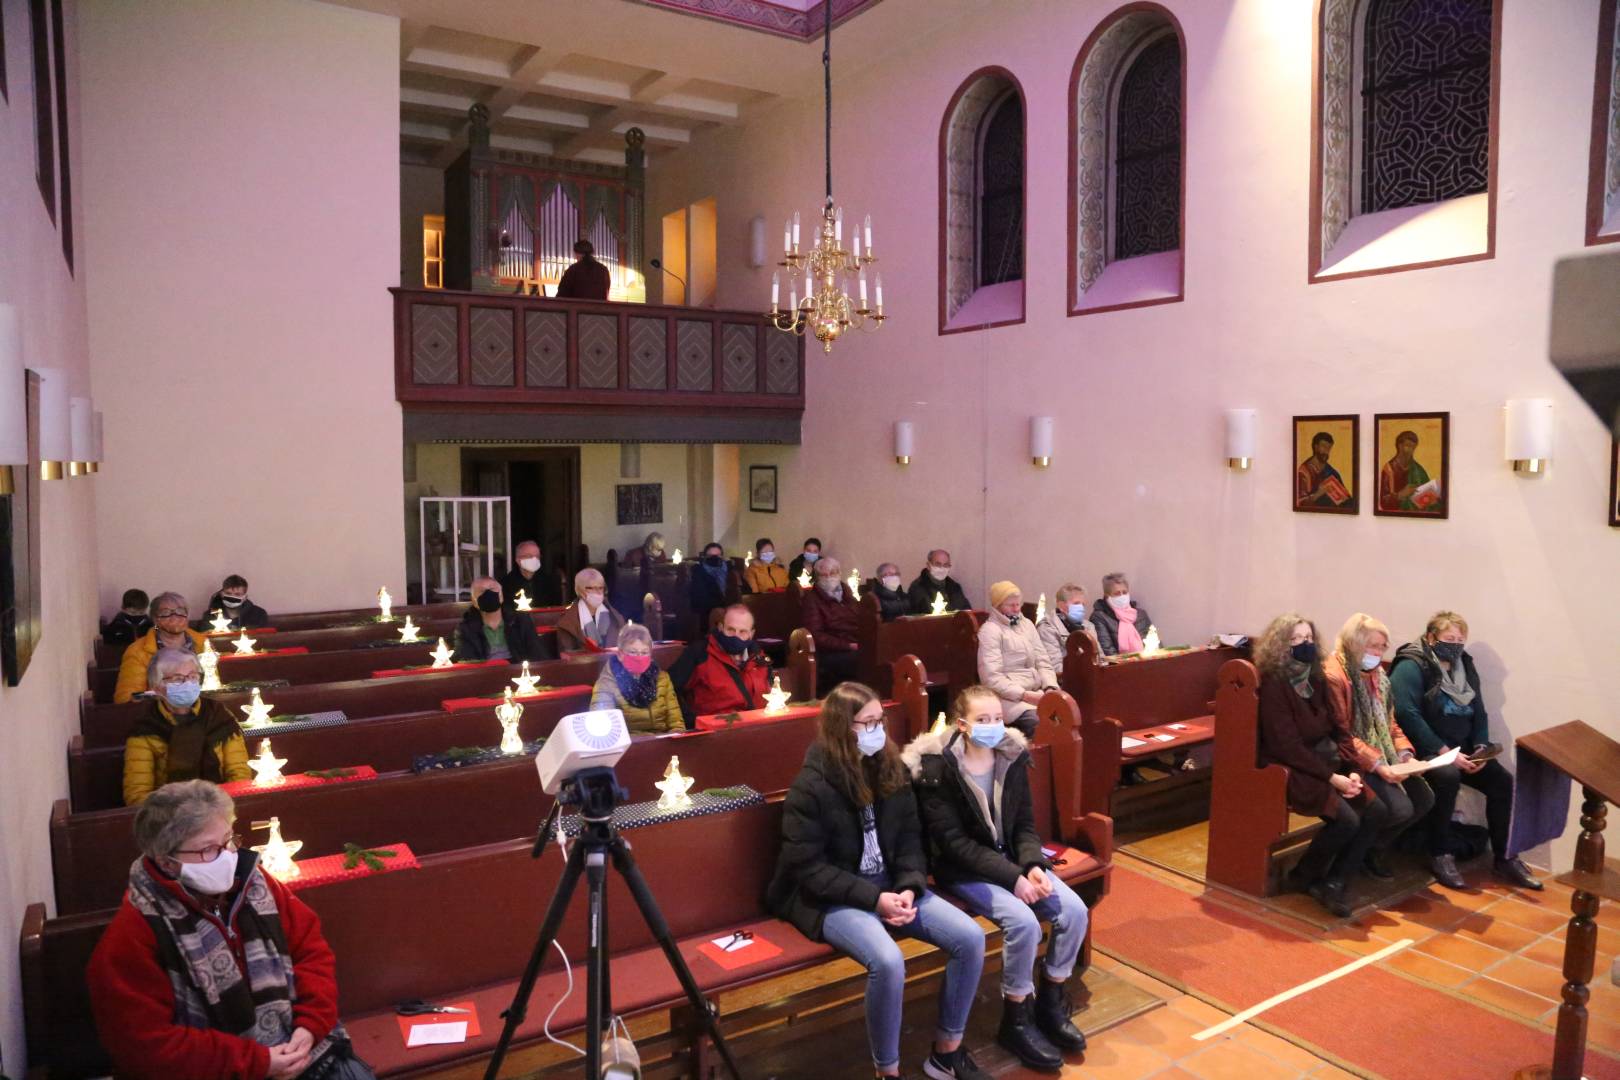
pixel 1248 808
pixel 108 725
pixel 1142 698
pixel 776 614
pixel 948 646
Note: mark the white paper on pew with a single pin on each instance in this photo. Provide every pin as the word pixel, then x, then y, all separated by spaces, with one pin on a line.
pixel 451 1031
pixel 732 943
pixel 1178 727
pixel 1162 738
pixel 1127 742
pixel 1414 767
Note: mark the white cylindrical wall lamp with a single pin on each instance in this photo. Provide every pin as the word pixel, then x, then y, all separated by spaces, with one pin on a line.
pixel 905 442
pixel 1040 441
pixel 13 398
pixel 55 435
pixel 81 435
pixel 1241 428
pixel 1529 434
pixel 97 452
pixel 756 241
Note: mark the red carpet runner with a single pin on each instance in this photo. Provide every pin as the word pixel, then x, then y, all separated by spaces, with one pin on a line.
pixel 1372 1018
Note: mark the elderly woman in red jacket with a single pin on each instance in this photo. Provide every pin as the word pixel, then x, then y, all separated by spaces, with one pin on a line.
pixel 212 969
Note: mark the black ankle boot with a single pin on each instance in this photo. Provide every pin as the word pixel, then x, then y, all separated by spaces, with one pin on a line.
pixel 1375 865
pixel 1023 1039
pixel 1330 894
pixel 1052 1013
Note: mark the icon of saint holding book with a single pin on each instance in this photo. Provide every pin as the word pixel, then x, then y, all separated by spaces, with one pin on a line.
pixel 1403 484
pixel 1316 482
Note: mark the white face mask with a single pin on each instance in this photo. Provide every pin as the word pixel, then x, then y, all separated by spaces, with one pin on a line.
pixel 890 581
pixel 1120 602
pixel 210 878
pixel 832 587
pixel 939 573
pixel 593 599
pixel 767 556
pixel 530 565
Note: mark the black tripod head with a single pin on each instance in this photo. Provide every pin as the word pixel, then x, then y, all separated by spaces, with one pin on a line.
pixel 595 791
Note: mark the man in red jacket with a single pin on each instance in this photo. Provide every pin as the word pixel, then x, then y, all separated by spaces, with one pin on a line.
pixel 722 671
pixel 828 611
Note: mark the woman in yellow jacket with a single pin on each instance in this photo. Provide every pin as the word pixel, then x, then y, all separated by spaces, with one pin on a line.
pixel 632 683
pixel 765 574
pixel 181 736
pixel 169 615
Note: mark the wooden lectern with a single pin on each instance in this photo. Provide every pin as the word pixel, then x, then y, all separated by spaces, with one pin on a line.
pixel 1592 760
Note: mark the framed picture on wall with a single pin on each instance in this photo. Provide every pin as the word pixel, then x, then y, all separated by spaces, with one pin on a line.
pixel 1614 483
pixel 762 489
pixel 1413 455
pixel 641 504
pixel 1327 464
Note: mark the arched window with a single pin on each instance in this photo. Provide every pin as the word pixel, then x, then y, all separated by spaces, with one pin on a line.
pixel 981 213
pixel 1128 134
pixel 1603 196
pixel 1405 111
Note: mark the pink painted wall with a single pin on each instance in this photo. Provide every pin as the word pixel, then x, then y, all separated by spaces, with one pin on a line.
pixel 242 191
pixel 1139 481
pixel 37 716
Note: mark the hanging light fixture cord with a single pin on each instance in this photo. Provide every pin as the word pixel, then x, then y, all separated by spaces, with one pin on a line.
pixel 826 71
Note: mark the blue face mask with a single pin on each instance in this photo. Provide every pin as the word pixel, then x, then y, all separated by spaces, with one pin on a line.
pixel 810 557
pixel 183 695
pixel 1077 613
pixel 870 742
pixel 989 734
pixel 1369 661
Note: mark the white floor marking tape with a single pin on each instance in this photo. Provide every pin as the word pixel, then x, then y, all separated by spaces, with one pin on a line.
pixel 1303 988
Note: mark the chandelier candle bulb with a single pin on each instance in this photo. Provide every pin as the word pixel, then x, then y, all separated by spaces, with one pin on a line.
pixel 838 225
pixel 787 238
pixel 861 280
pixel 877 282
pixel 776 292
pixel 795 230
pixel 856 238
pixel 868 230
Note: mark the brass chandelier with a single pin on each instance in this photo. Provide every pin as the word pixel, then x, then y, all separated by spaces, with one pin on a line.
pixel 826 309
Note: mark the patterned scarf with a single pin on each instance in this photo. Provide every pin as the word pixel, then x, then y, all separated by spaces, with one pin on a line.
pixel 209 988
pixel 1299 677
pixel 1370 722
pixel 637 690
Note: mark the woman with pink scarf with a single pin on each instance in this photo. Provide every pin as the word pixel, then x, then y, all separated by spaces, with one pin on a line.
pixel 1121 623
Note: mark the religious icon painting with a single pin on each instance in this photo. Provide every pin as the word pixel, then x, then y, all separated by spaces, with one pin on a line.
pixel 1614 483
pixel 762 489
pixel 1327 464
pixel 1413 454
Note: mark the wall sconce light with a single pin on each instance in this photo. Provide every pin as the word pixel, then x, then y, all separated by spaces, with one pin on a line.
pixel 97 453
pixel 1241 425
pixel 1529 434
pixel 55 437
pixel 905 442
pixel 630 460
pixel 13 398
pixel 1040 441
pixel 756 241
pixel 81 435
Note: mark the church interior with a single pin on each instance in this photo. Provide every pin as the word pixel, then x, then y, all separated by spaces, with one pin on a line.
pixel 641 564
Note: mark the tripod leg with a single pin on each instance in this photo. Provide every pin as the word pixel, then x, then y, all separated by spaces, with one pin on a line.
pixel 597 1002
pixel 548 933
pixel 654 919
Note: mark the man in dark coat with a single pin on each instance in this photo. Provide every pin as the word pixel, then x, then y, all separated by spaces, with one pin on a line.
pixel 587 279
pixel 487 632
pixel 936 578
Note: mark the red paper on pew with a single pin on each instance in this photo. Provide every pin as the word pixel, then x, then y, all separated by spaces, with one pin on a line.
pixel 252 631
pixel 471 1016
pixel 551 629
pixel 755 951
pixel 462 704
pixel 713 722
pixel 291 650
pixel 390 673
pixel 298 780
pixel 329 868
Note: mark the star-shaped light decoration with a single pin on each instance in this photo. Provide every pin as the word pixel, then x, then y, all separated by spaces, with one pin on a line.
pixel 410 632
pixel 220 624
pixel 257 711
pixel 525 682
pixel 938 606
pixel 521 601
pixel 1150 642
pixel 804 578
pixel 386 603
pixel 854 582
pixel 941 725
pixel 208 661
pixel 1040 609
pixel 674 787
pixel 276 854
pixel 776 698
pixel 509 712
pixel 442 655
pixel 676 558
pixel 244 644
pixel 266 766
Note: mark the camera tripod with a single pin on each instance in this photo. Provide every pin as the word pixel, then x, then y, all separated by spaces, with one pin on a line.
pixel 597 791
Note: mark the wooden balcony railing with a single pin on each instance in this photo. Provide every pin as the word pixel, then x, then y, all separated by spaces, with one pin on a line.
pixel 473 349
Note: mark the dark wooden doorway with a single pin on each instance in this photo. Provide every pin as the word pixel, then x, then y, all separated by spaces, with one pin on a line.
pixel 543 484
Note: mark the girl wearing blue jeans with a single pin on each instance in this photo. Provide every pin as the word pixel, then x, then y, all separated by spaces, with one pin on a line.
pixel 972 783
pixel 852 873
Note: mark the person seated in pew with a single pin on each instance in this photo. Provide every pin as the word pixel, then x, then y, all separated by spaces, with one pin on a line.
pixel 972 784
pixel 852 872
pixel 1439 705
pixel 650 551
pixel 935 579
pixel 489 632
pixel 181 735
pixel 886 586
pixel 170 630
pixel 1121 623
pixel 632 683
pixel 765 574
pixel 1371 738
pixel 590 624
pixel 132 620
pixel 525 577
pixel 1066 616
pixel 828 612
pixel 723 671
pixel 1298 729
pixel 1011 660
pixel 807 556
pixel 706 585
pixel 212 968
pixel 232 599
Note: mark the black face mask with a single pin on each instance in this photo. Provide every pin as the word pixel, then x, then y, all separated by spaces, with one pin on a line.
pixel 233 601
pixel 1449 651
pixel 714 560
pixel 736 646
pixel 1304 652
pixel 489 601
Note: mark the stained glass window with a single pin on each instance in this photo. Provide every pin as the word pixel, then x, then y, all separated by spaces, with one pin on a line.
pixel 1147 163
pixel 1000 254
pixel 1426 100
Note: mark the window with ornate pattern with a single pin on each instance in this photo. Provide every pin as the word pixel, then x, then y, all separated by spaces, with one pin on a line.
pixel 981 214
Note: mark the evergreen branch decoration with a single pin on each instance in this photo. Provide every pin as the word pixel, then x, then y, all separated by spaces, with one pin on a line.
pixel 332 774
pixel 354 855
pixel 725 792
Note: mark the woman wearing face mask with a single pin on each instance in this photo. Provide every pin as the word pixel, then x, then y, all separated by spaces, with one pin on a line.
pixel 972 784
pixel 828 612
pixel 650 551
pixel 232 599
pixel 1067 616
pixel 1120 622
pixel 765 574
pixel 1372 739
pixel 199 914
pixel 170 616
pixel 706 585
pixel 1012 662
pixel 589 624
pixel 1299 728
pixel 632 683
pixel 489 632
pixel 891 597
pixel 852 873
pixel 181 735
pixel 1440 706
